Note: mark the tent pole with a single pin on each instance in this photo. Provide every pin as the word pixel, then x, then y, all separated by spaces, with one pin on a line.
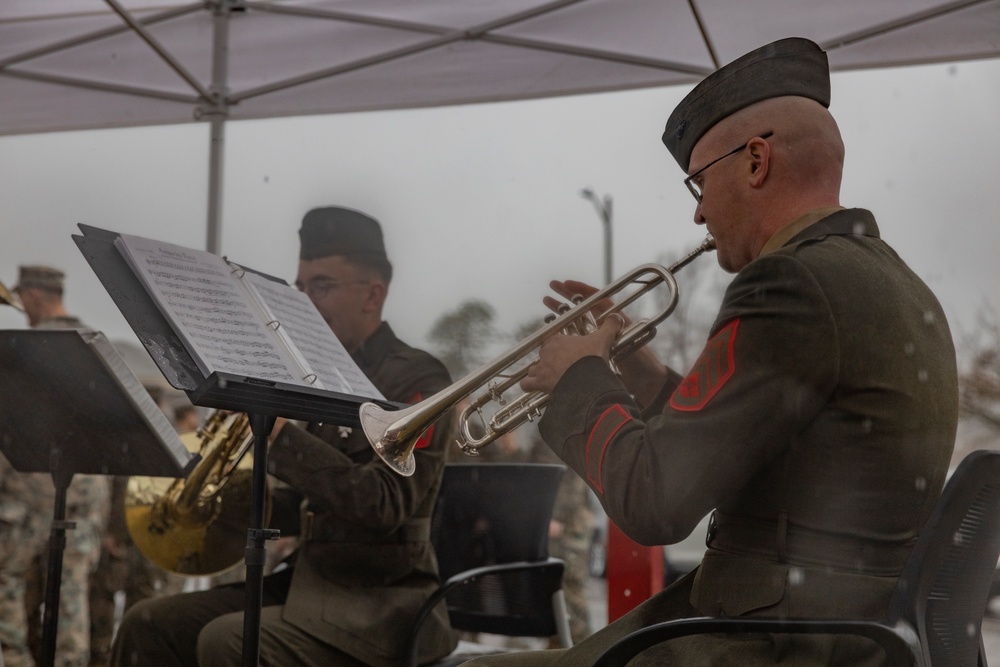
pixel 217 112
pixel 217 127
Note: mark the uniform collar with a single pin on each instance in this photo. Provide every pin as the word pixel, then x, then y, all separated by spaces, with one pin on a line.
pixel 376 348
pixel 831 220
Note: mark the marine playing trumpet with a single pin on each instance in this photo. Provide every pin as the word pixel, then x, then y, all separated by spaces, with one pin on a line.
pixel 393 434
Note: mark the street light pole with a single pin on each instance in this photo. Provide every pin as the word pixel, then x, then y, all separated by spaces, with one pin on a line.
pixel 605 211
pixel 634 573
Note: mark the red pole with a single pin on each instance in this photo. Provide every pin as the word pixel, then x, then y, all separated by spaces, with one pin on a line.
pixel 634 573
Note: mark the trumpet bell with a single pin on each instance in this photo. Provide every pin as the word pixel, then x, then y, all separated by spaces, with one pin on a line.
pixel 381 429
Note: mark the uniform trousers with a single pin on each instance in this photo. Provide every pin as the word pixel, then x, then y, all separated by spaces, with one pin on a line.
pixel 205 629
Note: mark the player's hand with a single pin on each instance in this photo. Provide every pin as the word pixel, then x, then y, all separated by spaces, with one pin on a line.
pixel 557 353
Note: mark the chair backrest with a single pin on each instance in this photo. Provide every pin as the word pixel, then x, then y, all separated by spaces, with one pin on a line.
pixel 491 514
pixel 943 590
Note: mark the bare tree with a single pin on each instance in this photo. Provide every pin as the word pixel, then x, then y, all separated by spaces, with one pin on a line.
pixel 701 285
pixel 979 380
pixel 462 336
pixel 680 339
pixel 526 328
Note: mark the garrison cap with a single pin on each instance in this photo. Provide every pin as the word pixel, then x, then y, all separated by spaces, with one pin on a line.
pixel 333 230
pixel 793 66
pixel 43 277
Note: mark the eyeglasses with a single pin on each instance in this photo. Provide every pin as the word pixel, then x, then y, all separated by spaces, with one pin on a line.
pixel 321 287
pixel 695 188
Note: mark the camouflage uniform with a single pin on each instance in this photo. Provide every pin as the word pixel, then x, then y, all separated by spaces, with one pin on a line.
pixel 26 505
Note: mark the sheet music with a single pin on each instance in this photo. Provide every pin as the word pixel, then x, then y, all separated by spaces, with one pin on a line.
pixel 196 291
pixel 322 352
pixel 151 414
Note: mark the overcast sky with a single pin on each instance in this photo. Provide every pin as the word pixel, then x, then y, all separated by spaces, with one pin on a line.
pixel 484 201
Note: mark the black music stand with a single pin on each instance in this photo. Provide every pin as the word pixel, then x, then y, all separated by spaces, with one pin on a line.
pixel 262 401
pixel 72 406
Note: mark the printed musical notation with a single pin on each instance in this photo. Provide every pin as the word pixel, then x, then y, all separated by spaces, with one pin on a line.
pixel 228 318
pixel 308 333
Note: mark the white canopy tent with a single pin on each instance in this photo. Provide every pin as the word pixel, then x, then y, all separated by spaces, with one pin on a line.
pixel 84 64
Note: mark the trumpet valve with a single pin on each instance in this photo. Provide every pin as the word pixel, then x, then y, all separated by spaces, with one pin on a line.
pixel 495 393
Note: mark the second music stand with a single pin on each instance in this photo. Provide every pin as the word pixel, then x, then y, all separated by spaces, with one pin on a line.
pixel 72 406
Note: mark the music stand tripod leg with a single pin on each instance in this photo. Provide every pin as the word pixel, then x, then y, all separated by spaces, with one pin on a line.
pixel 257 534
pixel 61 478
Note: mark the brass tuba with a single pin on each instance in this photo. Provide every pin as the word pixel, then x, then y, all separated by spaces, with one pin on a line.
pixel 393 434
pixel 197 526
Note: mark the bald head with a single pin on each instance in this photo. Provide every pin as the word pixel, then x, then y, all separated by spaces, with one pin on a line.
pixel 807 153
pixel 771 182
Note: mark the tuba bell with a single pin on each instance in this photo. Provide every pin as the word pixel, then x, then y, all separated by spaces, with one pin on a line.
pixel 197 526
pixel 394 434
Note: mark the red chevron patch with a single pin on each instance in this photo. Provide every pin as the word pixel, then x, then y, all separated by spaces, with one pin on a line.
pixel 710 373
pixel 607 426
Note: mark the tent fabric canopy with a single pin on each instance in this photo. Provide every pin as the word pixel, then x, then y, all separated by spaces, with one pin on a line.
pixel 88 64
pixel 82 64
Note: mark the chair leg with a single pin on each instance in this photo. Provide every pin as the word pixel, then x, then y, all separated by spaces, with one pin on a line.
pixel 562 618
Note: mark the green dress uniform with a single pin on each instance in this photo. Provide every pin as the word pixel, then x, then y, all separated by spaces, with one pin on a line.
pixel 365 564
pixel 818 423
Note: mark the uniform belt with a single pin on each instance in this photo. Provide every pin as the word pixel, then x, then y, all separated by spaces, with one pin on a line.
pixel 319 530
pixel 784 543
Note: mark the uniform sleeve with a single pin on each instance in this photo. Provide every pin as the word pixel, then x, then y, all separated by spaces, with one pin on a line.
pixel 355 486
pixel 765 372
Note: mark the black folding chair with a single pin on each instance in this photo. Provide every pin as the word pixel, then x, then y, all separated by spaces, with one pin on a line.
pixel 490 530
pixel 936 612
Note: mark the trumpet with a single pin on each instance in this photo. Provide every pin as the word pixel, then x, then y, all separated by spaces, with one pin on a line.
pixel 196 526
pixel 394 434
